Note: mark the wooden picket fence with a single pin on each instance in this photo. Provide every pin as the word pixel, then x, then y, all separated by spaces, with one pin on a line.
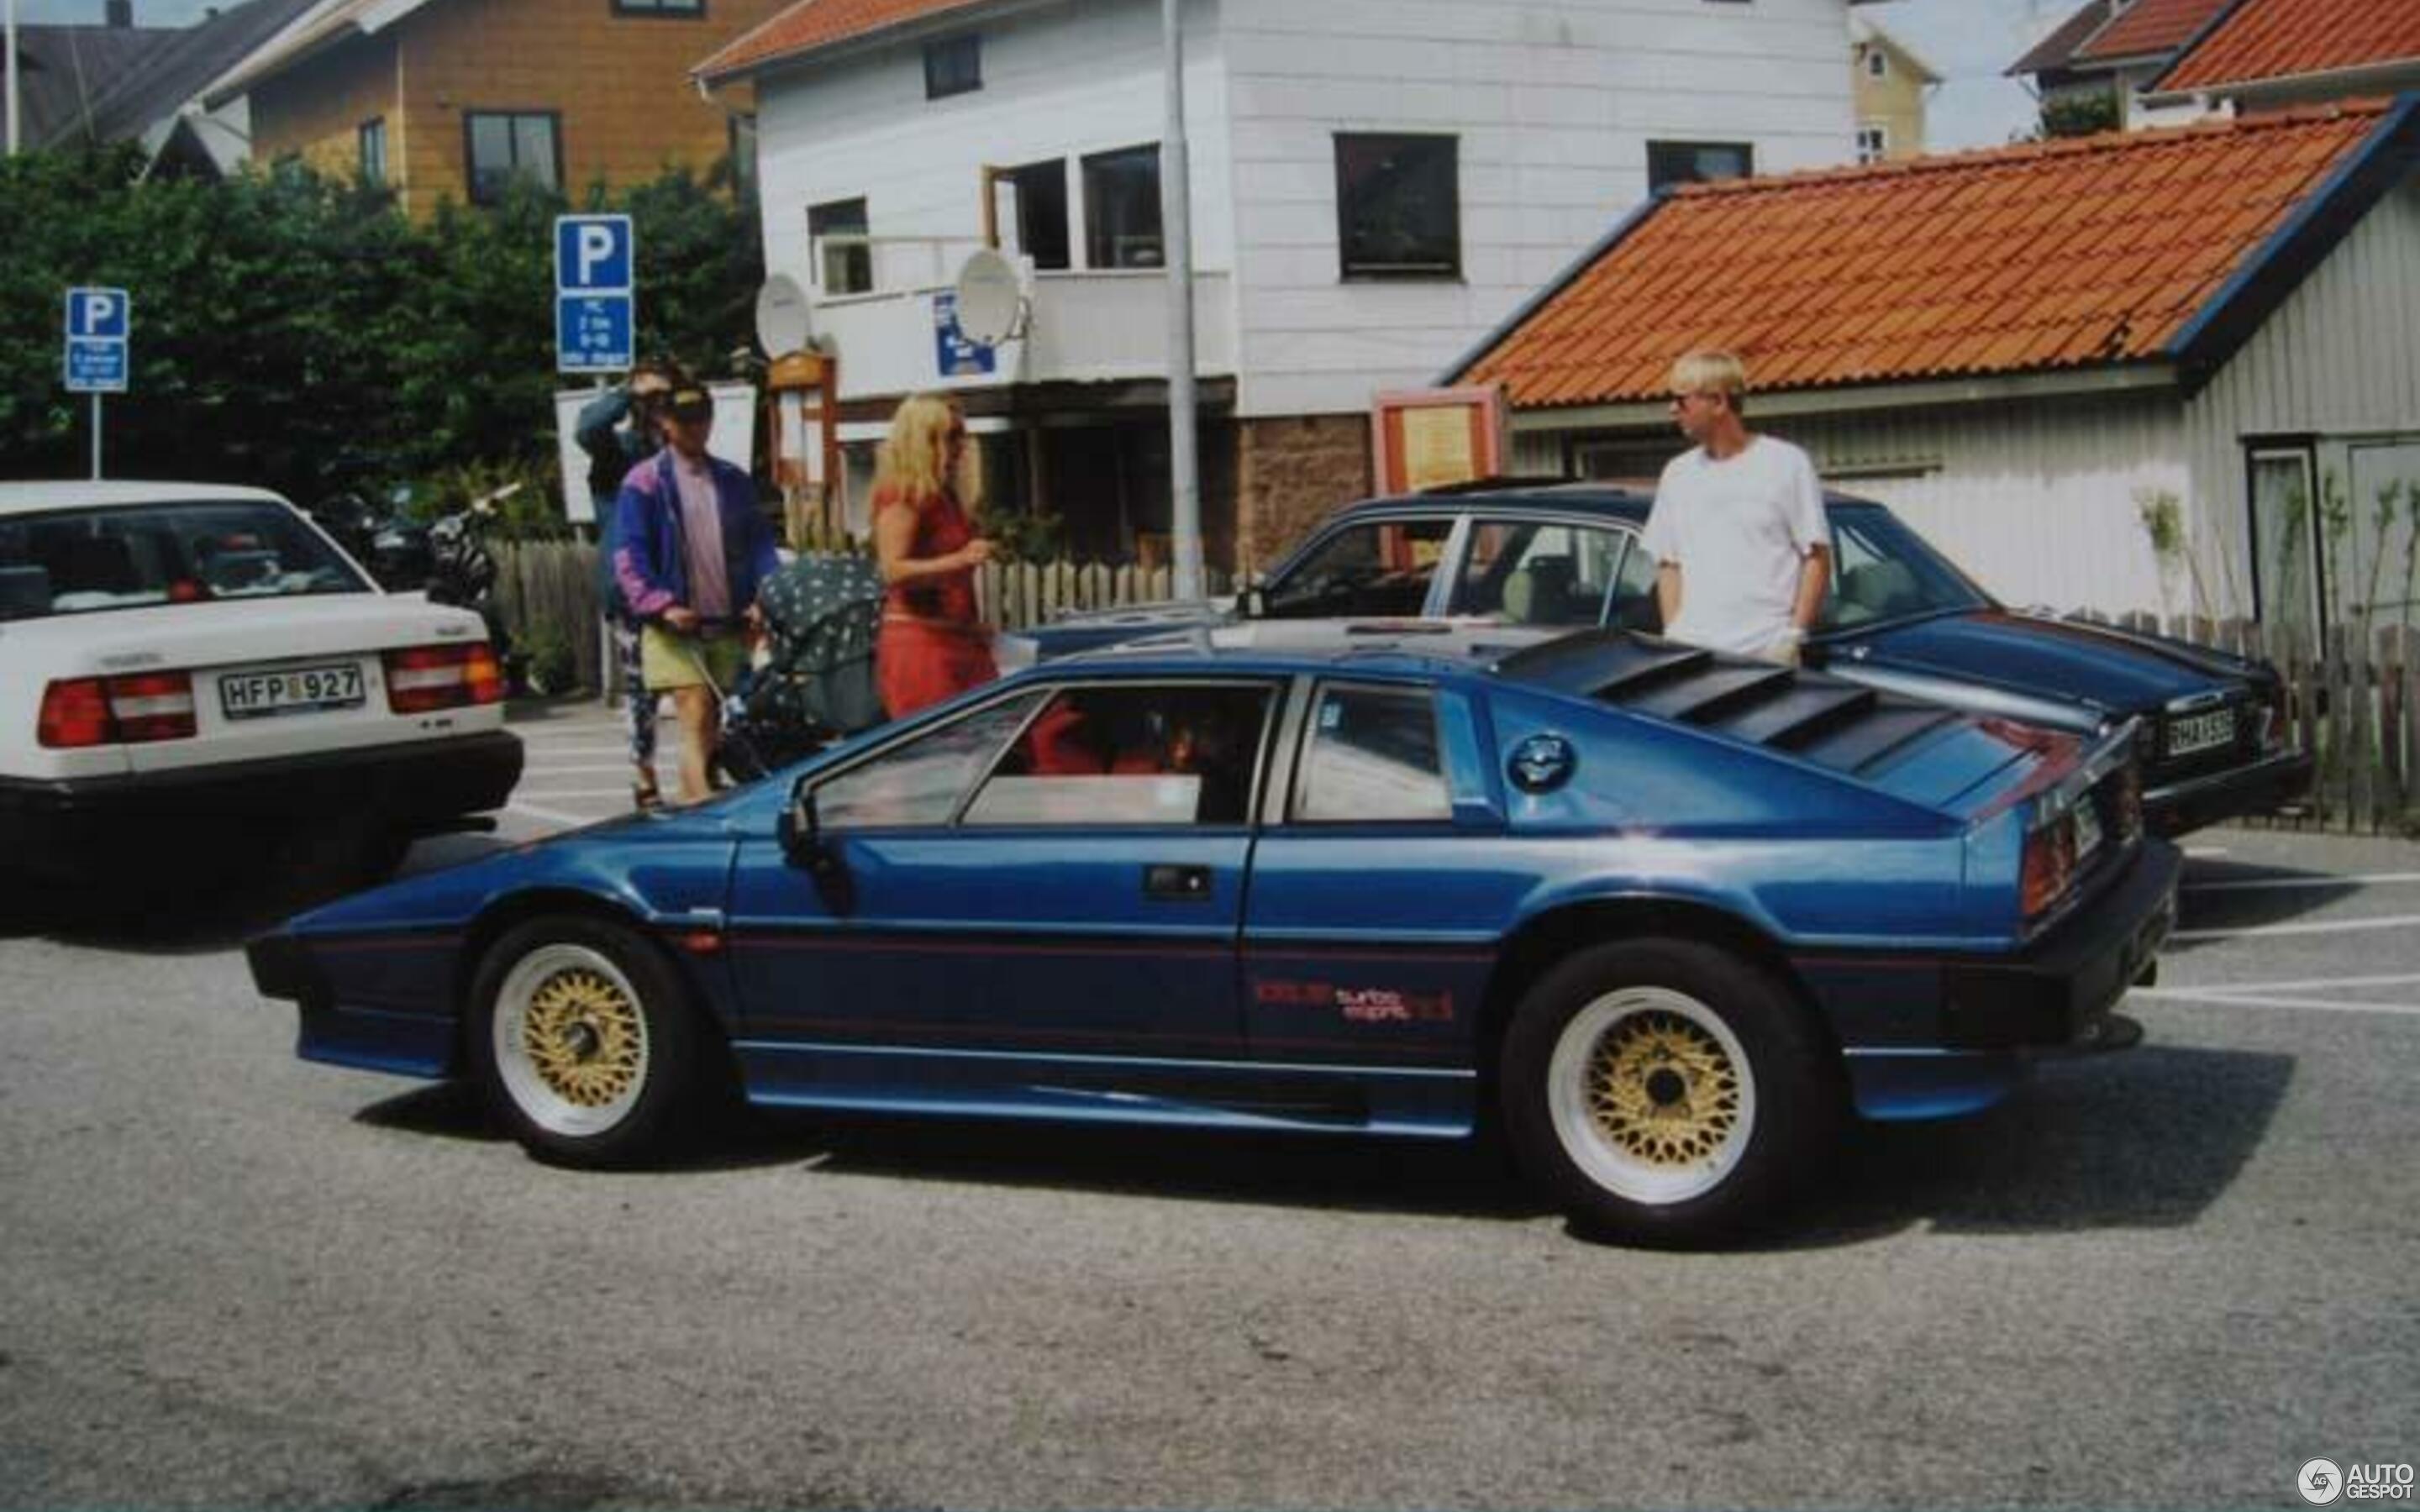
pixel 547 593
pixel 2354 701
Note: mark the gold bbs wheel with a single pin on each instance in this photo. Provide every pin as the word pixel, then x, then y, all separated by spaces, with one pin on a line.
pixel 570 1039
pixel 1651 1094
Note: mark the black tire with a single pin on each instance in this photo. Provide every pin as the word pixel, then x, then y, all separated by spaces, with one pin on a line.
pixel 1667 1093
pixel 585 1045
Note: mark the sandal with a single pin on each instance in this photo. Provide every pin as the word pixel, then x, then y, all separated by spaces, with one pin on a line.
pixel 646 797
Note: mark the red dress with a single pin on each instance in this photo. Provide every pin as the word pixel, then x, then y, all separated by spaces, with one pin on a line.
pixel 932 645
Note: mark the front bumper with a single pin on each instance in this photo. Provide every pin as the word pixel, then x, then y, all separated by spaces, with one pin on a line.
pixel 90 826
pixel 2262 787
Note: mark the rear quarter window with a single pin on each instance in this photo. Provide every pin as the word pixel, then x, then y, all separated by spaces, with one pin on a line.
pixel 1372 755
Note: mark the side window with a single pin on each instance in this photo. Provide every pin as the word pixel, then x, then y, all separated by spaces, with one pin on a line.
pixel 1374 756
pixel 921 782
pixel 1864 585
pixel 1634 591
pixel 1534 574
pixel 1379 570
pixel 1131 754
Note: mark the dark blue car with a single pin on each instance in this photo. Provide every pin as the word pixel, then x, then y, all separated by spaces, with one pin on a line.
pixel 1671 916
pixel 1901 616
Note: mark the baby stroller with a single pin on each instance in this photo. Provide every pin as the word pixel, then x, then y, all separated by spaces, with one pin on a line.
pixel 822 614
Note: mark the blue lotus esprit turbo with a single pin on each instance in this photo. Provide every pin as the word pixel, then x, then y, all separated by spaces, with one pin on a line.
pixel 1671 916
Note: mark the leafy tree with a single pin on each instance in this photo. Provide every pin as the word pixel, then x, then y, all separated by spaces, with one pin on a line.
pixel 2077 115
pixel 296 330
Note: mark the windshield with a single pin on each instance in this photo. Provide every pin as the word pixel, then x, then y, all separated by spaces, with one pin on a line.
pixel 74 562
pixel 1888 572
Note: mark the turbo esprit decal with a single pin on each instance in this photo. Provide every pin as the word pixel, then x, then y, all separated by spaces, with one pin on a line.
pixel 1357 1005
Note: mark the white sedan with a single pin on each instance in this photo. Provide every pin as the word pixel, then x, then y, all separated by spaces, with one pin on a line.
pixel 195 673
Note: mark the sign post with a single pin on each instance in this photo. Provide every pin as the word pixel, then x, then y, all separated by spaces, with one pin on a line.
pixel 596 318
pixel 95 363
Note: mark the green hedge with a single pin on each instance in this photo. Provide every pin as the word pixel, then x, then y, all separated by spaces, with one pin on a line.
pixel 297 332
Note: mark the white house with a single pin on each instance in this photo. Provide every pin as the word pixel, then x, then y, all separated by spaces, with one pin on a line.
pixel 1374 184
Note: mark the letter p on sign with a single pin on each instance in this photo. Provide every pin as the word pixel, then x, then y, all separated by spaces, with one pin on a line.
pixel 592 253
pixel 97 314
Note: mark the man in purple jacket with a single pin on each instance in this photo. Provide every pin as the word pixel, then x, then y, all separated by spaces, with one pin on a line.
pixel 690 550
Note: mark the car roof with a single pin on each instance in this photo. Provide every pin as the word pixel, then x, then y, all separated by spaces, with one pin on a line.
pixel 116 493
pixel 1398 645
pixel 1624 499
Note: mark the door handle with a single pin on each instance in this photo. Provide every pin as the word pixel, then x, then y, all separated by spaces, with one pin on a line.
pixel 1177 883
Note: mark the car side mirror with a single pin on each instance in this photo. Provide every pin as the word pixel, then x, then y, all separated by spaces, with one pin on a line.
pixel 803 842
pixel 1252 603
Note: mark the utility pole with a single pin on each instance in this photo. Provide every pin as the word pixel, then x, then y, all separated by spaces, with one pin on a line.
pixel 11 71
pixel 1176 231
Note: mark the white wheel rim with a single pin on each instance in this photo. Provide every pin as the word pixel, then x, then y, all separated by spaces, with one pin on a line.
pixel 1652 1095
pixel 570 1041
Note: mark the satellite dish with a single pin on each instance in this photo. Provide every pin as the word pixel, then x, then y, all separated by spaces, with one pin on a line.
pixel 781 315
pixel 991 304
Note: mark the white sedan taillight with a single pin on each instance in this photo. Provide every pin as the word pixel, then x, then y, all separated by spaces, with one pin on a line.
pixel 422 678
pixel 110 711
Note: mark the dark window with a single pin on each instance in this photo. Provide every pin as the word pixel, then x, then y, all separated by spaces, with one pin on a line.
pixel 739 140
pixel 682 9
pixel 505 145
pixel 1697 163
pixel 845 266
pixel 1374 756
pixel 1379 570
pixel 953 66
pixel 1041 211
pixel 373 142
pixel 1397 206
pixel 1122 208
pixel 1170 754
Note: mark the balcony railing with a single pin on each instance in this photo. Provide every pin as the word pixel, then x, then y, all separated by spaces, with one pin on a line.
pixel 1084 326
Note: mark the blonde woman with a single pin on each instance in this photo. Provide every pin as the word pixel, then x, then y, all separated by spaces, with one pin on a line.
pixel 925 487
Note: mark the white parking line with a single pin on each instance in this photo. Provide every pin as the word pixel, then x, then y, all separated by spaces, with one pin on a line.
pixel 558 794
pixel 2231 998
pixel 2376 879
pixel 2350 926
pixel 552 816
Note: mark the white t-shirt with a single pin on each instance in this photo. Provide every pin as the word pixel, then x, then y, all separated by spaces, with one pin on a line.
pixel 1738 530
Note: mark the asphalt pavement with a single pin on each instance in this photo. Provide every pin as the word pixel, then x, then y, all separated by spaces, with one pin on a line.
pixel 2158 1279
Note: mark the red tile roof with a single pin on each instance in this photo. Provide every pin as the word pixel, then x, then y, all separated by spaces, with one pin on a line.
pixel 811 24
pixel 2150 29
pixel 2280 38
pixel 2083 253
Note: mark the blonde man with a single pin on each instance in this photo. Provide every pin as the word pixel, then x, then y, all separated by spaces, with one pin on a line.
pixel 1743 549
pixel 933 644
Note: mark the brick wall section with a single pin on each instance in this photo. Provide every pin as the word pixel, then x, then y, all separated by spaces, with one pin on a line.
pixel 1290 473
pixel 618 86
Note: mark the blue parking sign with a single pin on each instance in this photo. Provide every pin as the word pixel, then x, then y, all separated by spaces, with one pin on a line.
pixel 595 315
pixel 97 324
pixel 98 313
pixel 593 254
